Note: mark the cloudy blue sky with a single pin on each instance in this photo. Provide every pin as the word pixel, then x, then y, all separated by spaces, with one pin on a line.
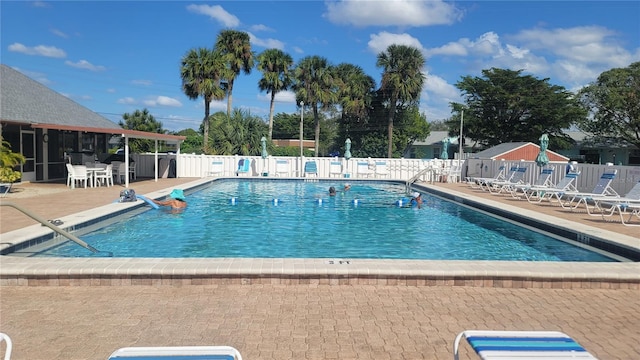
pixel 116 57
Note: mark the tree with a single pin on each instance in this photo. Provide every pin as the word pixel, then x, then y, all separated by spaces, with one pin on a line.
pixel 9 160
pixel 143 121
pixel 355 92
pixel 192 143
pixel 235 48
pixel 613 102
pixel 201 71
pixel 238 134
pixel 315 87
pixel 506 106
pixel 276 76
pixel 402 80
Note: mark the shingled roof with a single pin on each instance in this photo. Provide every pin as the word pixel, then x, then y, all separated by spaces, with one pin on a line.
pixel 27 101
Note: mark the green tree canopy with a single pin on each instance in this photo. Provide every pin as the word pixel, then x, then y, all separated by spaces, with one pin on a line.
pixel 235 49
pixel 239 134
pixel 613 102
pixel 143 121
pixel 506 106
pixel 275 66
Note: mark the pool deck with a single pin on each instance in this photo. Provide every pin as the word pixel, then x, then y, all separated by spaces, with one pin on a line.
pixel 87 308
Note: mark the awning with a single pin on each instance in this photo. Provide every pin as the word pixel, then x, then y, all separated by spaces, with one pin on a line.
pixel 123 132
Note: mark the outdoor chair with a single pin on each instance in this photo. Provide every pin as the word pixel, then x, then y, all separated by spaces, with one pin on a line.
pixel 244 167
pixel 381 169
pixel 536 194
pixel 217 168
pixel 543 180
pixel 485 183
pixel 104 176
pixel 499 187
pixel 476 182
pixel 602 189
pixel 282 168
pixel 77 175
pixel 8 349
pixel 335 168
pixel 604 204
pixel 362 169
pixel 310 168
pixel 500 345
pixel 177 353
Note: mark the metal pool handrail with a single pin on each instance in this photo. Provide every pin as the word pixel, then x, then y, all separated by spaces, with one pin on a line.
pixel 50 226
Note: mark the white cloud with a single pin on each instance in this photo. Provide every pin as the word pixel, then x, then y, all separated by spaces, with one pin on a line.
pixel 266 43
pixel 162 101
pixel 392 13
pixel 127 101
pixel 436 96
pixel 260 27
pixel 452 48
pixel 287 96
pixel 298 50
pixel 217 13
pixel 142 82
pixel 40 50
pixel 59 33
pixel 84 64
pixel 380 42
pixel 111 91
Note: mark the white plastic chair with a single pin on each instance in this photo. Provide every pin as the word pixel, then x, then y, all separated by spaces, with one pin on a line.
pixel 77 174
pixel 381 169
pixel 177 352
pixel 7 339
pixel 282 167
pixel 217 168
pixel 335 168
pixel 104 177
pixel 363 170
pixel 120 173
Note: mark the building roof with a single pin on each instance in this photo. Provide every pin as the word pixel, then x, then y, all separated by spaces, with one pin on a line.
pixel 436 137
pixel 26 101
pixel 516 151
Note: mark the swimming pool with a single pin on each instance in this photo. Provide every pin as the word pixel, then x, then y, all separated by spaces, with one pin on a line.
pixel 296 219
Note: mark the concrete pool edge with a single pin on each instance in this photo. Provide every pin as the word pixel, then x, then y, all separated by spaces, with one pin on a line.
pixel 17 271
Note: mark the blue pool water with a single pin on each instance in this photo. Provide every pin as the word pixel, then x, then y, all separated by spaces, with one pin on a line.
pixel 241 219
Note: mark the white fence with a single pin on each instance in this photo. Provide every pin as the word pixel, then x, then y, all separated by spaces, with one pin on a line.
pixel 191 165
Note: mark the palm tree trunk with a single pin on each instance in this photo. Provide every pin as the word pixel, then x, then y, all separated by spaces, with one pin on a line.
pixel 392 113
pixel 229 98
pixel 271 108
pixel 316 120
pixel 205 123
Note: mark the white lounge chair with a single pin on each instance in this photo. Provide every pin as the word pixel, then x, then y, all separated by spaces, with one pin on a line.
pixel 602 189
pixel 335 168
pixel 177 353
pixel 630 209
pixel 543 180
pixel 217 168
pixel 282 168
pixel 8 349
pixel 362 169
pixel 476 182
pixel 499 187
pixel 485 183
pixel 604 204
pixel 536 194
pixel 381 169
pixel 502 345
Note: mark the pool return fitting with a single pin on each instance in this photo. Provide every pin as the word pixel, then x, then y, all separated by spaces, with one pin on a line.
pixel 60 231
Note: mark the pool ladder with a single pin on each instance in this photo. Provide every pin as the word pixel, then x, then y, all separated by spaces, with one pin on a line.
pixel 415 178
pixel 46 223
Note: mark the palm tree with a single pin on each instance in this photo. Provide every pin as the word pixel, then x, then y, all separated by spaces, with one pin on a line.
pixel 402 80
pixel 355 89
pixel 314 85
pixel 235 48
pixel 201 72
pixel 275 65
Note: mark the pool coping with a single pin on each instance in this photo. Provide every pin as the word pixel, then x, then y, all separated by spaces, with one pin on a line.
pixel 24 271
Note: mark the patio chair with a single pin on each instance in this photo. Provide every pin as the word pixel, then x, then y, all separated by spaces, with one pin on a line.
pixel 485 183
pixel 543 180
pixel 499 187
pixel 381 169
pixel 490 345
pixel 77 174
pixel 475 182
pixel 602 189
pixel 244 167
pixel 282 168
pixel 121 172
pixel 335 168
pixel 630 209
pixel 177 353
pixel 104 176
pixel 362 169
pixel 9 348
pixel 217 168
pixel 536 194
pixel 310 168
pixel 602 204
pixel 5 188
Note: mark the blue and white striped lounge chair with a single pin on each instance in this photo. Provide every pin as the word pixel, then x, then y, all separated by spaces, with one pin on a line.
pixel 499 187
pixel 536 194
pixel 501 345
pixel 310 169
pixel 602 189
pixel 544 179
pixel 177 353
pixel 476 182
pixel 244 167
pixel 485 183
